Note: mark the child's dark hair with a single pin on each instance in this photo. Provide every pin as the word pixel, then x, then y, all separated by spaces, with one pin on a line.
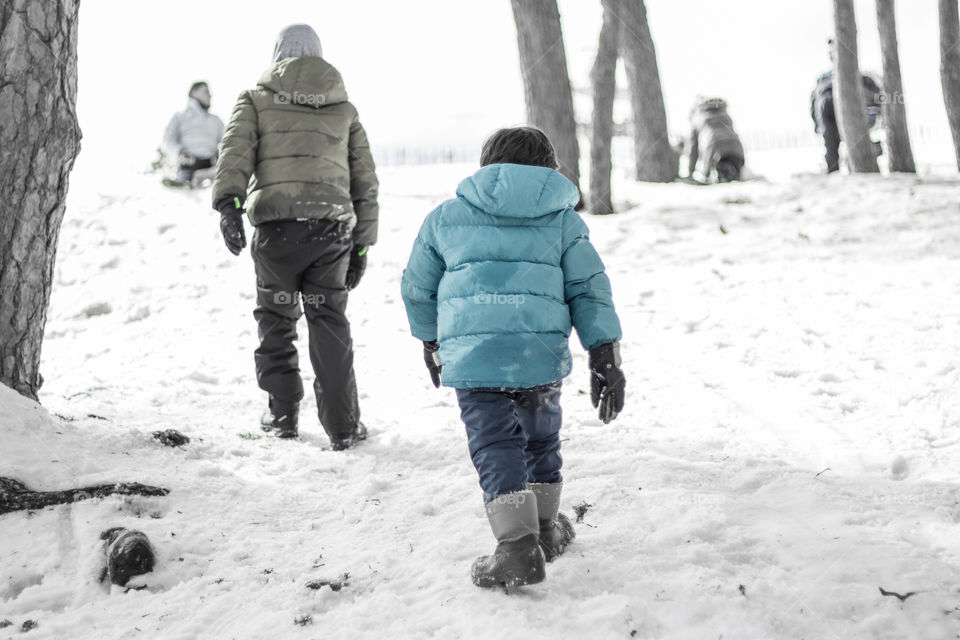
pixel 519 145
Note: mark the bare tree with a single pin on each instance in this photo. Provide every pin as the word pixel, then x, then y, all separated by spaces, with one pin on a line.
pixel 546 85
pixel 39 139
pixel 950 67
pixel 851 107
pixel 899 152
pixel 603 76
pixel 656 160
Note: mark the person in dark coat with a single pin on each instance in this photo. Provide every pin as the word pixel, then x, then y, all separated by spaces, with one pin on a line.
pixel 296 158
pixel 824 115
pixel 715 151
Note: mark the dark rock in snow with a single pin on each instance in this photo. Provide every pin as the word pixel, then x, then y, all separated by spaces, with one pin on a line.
pixel 128 553
pixel 5 623
pixel 171 438
pixel 28 625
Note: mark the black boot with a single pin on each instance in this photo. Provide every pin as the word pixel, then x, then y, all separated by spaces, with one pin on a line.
pixel 339 443
pixel 555 535
pixel 518 559
pixel 281 418
pixel 556 530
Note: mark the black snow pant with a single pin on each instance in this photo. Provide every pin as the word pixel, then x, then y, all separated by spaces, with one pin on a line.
pixel 826 119
pixel 729 168
pixel 185 170
pixel 306 261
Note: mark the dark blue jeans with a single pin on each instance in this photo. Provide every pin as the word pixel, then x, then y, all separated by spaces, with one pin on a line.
pixel 513 436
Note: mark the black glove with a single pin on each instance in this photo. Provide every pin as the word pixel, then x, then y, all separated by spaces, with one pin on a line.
pixel 231 223
pixel 358 264
pixel 432 358
pixel 606 380
pixel 231 226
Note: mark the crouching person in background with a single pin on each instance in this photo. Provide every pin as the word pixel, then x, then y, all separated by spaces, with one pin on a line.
pixel 193 136
pixel 496 277
pixel 313 202
pixel 715 152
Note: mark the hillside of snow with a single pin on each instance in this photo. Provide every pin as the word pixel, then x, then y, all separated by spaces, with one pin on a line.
pixel 790 443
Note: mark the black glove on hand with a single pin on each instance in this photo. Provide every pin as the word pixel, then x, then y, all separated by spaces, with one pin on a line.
pixel 606 381
pixel 358 264
pixel 231 226
pixel 432 358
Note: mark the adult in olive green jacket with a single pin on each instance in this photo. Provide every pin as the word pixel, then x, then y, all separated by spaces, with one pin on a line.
pixel 297 159
pixel 295 149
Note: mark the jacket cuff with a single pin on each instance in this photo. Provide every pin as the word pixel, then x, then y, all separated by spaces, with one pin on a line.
pixel 605 353
pixel 229 204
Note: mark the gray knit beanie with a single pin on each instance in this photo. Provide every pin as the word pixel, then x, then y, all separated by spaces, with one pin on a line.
pixel 295 41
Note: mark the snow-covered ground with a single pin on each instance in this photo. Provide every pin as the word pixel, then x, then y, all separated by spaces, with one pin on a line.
pixel 791 440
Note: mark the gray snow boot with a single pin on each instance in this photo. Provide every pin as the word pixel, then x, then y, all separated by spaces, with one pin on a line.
pixel 518 559
pixel 556 530
pixel 281 418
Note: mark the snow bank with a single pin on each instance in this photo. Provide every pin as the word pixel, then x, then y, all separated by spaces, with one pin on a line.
pixel 789 443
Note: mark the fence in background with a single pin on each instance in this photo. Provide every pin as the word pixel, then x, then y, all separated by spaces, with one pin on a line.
pixel 422 154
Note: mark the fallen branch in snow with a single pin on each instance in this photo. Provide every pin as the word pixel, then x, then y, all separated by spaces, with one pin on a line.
pixel 900 597
pixel 15 496
pixel 822 472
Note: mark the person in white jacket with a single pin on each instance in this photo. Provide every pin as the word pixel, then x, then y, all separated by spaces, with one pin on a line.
pixel 194 135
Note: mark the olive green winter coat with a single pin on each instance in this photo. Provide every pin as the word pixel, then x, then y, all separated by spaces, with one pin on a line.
pixel 295 149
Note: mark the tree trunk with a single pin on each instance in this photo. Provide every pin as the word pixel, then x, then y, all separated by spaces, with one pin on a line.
pixel 603 76
pixel 39 139
pixel 950 67
pixel 656 160
pixel 851 107
pixel 546 85
pixel 899 152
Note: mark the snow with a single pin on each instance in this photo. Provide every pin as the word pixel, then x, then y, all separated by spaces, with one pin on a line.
pixel 792 427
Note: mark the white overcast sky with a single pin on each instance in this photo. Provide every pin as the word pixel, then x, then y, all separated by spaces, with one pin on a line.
pixel 430 72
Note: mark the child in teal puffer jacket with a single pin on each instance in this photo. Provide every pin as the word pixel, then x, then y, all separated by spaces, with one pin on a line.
pixel 496 279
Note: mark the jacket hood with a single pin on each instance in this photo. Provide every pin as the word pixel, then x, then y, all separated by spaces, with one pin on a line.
pixel 308 81
pixel 518 191
pixel 296 41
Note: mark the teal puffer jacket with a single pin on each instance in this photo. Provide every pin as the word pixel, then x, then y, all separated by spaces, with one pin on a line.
pixel 499 275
